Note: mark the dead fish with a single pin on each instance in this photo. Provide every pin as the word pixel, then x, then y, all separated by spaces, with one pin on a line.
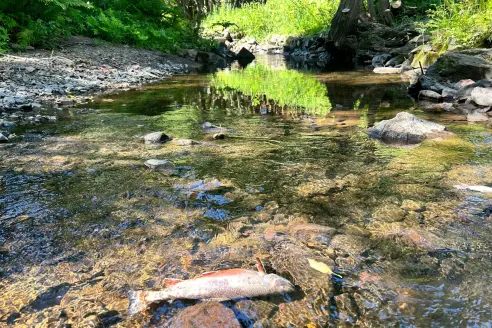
pixel 218 285
pixel 483 189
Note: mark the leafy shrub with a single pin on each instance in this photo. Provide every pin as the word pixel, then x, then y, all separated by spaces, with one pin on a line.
pixel 288 17
pixel 121 27
pixel 467 23
pixel 155 24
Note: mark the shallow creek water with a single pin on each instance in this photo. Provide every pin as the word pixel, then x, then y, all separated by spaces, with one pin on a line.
pixel 83 221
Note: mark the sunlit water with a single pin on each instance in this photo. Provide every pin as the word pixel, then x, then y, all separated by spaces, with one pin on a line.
pixel 83 221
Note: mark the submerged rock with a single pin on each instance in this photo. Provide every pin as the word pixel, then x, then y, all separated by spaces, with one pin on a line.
pixel 187 142
pixel 205 315
pixel 156 138
pixel 387 70
pixel 406 129
pixel 162 165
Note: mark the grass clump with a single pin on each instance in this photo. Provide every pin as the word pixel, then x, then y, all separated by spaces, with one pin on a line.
pixel 285 88
pixel 466 23
pixel 259 20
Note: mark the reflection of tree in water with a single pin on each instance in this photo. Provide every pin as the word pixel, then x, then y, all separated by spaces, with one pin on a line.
pixel 283 89
pixel 260 89
pixel 368 97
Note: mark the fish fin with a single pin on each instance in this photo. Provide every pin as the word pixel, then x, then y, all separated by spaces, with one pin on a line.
pixel 209 273
pixel 170 281
pixel 137 302
pixel 260 266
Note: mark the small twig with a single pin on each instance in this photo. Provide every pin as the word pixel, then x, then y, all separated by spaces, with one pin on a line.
pixel 421 69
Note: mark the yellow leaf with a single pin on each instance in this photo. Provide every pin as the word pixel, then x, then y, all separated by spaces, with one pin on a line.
pixel 320 266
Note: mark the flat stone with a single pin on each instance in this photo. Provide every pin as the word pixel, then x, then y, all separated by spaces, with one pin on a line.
pixel 205 315
pixel 405 129
pixel 155 138
pixel 162 165
pixel 387 70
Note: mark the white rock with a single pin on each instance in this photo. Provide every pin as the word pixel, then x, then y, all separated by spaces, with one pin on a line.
pixel 482 96
pixel 387 70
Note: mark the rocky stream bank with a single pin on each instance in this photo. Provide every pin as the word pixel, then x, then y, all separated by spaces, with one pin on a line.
pixel 35 85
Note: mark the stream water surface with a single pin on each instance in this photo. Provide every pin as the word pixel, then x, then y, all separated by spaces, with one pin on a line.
pixel 83 221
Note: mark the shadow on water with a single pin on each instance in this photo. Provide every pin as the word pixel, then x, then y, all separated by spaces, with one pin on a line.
pixel 83 221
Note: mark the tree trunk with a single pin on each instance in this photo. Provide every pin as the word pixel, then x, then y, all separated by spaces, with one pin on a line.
pixel 345 20
pixel 372 9
pixel 385 12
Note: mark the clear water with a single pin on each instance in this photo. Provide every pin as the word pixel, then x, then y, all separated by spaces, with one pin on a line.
pixel 83 221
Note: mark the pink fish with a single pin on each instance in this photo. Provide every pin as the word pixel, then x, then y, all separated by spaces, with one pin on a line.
pixel 217 285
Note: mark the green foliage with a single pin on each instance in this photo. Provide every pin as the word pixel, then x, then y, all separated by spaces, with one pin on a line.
pixel 293 89
pixel 467 23
pixel 4 38
pixel 122 27
pixel 287 17
pixel 154 24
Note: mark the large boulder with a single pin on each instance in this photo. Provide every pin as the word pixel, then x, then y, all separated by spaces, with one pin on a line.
pixel 205 315
pixel 406 129
pixel 456 66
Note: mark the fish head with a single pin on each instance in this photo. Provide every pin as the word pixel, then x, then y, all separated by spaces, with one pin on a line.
pixel 278 284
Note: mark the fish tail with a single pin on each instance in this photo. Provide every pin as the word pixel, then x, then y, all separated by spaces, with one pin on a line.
pixel 137 302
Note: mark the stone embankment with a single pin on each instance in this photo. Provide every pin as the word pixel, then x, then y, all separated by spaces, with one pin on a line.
pixel 458 82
